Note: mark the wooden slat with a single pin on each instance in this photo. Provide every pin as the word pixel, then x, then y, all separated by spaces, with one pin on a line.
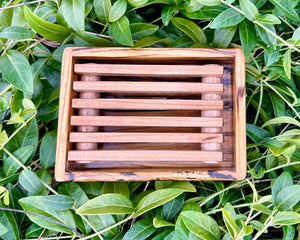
pixel 130 87
pixel 146 137
pixel 146 121
pixel 154 156
pixel 147 104
pixel 149 70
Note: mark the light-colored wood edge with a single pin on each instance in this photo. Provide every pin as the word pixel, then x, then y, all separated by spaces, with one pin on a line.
pixel 147 104
pixel 191 174
pixel 64 115
pixel 239 97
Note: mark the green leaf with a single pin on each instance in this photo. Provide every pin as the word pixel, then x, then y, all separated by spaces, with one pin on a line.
pixel 247 36
pixel 75 191
pixel 278 104
pixel 31 183
pixel 142 30
pixel 183 185
pixel 287 197
pixel 155 199
pixel 173 207
pixel 33 231
pixel 8 220
pixel 227 18
pixel 90 40
pixel 121 31
pixel 54 202
pixel 286 61
pixel 233 229
pixel 17 33
pixel 287 218
pixel 249 9
pixel 287 9
pixel 73 13
pixel 138 3
pixel 167 13
pixel 111 203
pixel 34 205
pixel 3 229
pixel 116 187
pixel 265 36
pixel 283 181
pixel 48 149
pixel 296 36
pixel 117 10
pixel 100 222
pixel 223 36
pixel 140 230
pixel 269 19
pixel 201 225
pixel 262 208
pixel 280 120
pixel 16 70
pixel 148 41
pixel 102 9
pixel 210 2
pixel 288 232
pixel 53 32
pixel 23 154
pixel 190 28
pixel 159 222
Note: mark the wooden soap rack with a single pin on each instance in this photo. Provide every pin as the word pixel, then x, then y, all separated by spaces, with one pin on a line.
pixel 151 114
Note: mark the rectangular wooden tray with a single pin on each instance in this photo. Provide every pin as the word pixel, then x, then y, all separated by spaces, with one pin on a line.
pixel 151 114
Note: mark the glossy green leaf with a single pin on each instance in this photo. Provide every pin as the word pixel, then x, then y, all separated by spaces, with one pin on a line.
pixel 287 9
pixel 8 220
pixel 167 13
pixel 247 36
pixel 100 222
pixel 121 31
pixel 16 70
pixel 230 223
pixel 283 181
pixel 35 206
pixel 269 19
pixel 118 10
pixel 53 32
pixel 75 191
pixel 288 232
pixel 116 187
pixel 138 3
pixel 140 230
pixel 210 2
pixel 31 183
pixel 73 13
pixel 48 149
pixel 262 208
pixel 287 218
pixel 281 120
pixel 201 225
pixel 159 222
pixel 173 207
pixel 111 203
pixel 17 33
pixel 190 28
pixel 183 185
pixel 249 9
pixel 102 9
pixel 265 36
pixel 142 30
pixel 223 36
pixel 296 36
pixel 228 18
pixel 278 105
pixel 23 154
pixel 148 41
pixel 90 40
pixel 33 231
pixel 286 61
pixel 287 197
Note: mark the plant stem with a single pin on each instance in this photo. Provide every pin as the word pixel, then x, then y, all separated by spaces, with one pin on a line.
pixel 267 224
pixel 15 159
pixel 21 4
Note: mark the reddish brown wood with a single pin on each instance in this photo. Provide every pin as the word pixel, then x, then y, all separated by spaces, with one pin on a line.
pixel 146 121
pixel 178 87
pixel 149 70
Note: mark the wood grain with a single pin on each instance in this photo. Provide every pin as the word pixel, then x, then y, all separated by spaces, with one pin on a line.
pixel 148 70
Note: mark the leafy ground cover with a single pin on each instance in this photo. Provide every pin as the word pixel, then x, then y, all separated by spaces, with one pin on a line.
pixel 265 205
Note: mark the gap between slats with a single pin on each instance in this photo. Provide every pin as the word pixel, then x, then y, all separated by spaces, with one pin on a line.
pixel 149 70
pixel 154 156
pixel 147 87
pixel 146 121
pixel 147 104
pixel 118 137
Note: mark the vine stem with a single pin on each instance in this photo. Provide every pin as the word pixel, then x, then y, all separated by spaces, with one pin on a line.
pixel 267 224
pixel 262 26
pixel 21 4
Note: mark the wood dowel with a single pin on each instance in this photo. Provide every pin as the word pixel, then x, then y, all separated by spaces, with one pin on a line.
pixel 147 87
pixel 212 114
pixel 150 155
pixel 87 111
pixel 147 104
pixel 146 121
pixel 149 70
pixel 118 137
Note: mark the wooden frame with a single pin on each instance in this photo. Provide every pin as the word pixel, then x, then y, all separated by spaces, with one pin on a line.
pixel 198 139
